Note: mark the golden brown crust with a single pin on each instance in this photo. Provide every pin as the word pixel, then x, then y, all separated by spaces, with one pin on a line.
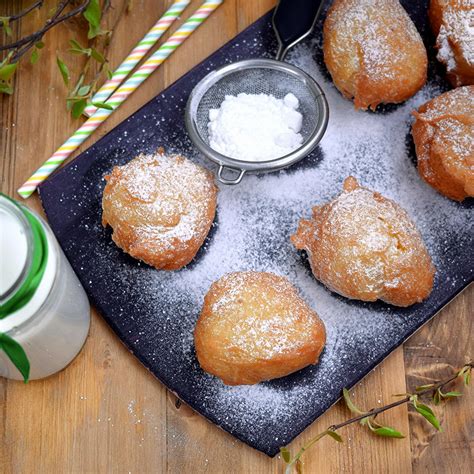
pixel 364 246
pixel 373 52
pixel 452 22
pixel 160 208
pixel 253 327
pixel 443 133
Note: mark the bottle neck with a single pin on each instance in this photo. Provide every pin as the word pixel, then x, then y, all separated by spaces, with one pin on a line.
pixel 16 248
pixel 28 291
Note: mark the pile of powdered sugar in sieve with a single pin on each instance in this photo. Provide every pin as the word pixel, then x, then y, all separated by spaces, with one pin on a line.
pixel 253 225
pixel 255 127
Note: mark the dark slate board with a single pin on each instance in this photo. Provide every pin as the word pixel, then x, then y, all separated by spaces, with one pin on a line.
pixel 154 312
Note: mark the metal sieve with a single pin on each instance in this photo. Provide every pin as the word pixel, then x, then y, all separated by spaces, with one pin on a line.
pixel 267 76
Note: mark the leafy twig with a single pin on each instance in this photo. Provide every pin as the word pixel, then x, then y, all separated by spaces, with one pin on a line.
pixel 22 45
pixel 83 89
pixel 368 418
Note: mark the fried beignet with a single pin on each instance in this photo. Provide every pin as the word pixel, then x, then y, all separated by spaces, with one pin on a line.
pixel 443 133
pixel 160 208
pixel 364 246
pixel 253 327
pixel 373 52
pixel 452 22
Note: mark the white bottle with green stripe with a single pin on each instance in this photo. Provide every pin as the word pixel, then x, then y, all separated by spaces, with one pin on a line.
pixel 44 311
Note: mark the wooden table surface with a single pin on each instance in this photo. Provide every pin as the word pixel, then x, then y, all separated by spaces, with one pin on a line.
pixel 105 412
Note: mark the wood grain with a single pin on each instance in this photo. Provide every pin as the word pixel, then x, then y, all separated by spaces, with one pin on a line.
pixel 105 412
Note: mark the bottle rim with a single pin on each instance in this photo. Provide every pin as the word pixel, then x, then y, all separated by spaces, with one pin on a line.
pixel 16 212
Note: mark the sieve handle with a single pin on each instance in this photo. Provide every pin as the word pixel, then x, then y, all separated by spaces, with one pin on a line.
pixel 293 20
pixel 238 172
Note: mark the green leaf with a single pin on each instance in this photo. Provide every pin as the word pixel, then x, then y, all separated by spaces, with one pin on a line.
pixel 39 44
pixel 77 48
pixel 34 56
pixel 78 108
pixel 5 21
pixel 428 414
pixel 437 397
pixel 452 394
pixel 93 15
pixel 84 90
pixel 380 430
pixel 75 44
pixel 109 73
pixel 424 387
pixel 78 85
pixel 7 59
pixel 285 454
pixel 16 354
pixel 97 56
pixel 349 403
pixel 76 51
pixel 334 435
pixel 388 432
pixel 465 372
pixel 64 70
pixel 7 71
pixel 6 88
pixel 102 105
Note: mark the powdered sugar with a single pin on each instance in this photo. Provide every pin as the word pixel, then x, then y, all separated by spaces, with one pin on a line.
pixel 455 41
pixel 379 245
pixel 254 222
pixel 155 312
pixel 255 127
pixel 257 316
pixel 158 199
pixel 359 26
pixel 444 136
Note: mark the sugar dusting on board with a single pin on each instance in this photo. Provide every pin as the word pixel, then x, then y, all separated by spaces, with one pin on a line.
pixel 252 229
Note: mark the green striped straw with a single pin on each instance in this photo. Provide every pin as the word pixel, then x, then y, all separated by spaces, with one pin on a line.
pixel 130 85
pixel 137 54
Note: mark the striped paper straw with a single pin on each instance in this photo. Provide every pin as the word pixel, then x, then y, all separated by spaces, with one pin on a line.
pixel 142 73
pixel 137 53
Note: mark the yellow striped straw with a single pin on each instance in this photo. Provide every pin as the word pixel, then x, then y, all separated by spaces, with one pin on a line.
pixel 130 85
pixel 137 53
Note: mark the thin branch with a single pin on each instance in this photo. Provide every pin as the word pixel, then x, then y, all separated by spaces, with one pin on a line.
pixel 376 411
pixel 50 23
pixel 54 20
pixel 37 4
pixel 432 388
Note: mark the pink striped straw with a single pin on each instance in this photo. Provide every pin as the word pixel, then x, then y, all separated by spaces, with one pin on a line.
pixel 130 85
pixel 137 54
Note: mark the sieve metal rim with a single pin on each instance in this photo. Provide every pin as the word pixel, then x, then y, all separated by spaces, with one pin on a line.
pixel 251 166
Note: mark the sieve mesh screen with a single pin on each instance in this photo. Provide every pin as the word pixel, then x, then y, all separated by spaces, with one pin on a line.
pixel 257 80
